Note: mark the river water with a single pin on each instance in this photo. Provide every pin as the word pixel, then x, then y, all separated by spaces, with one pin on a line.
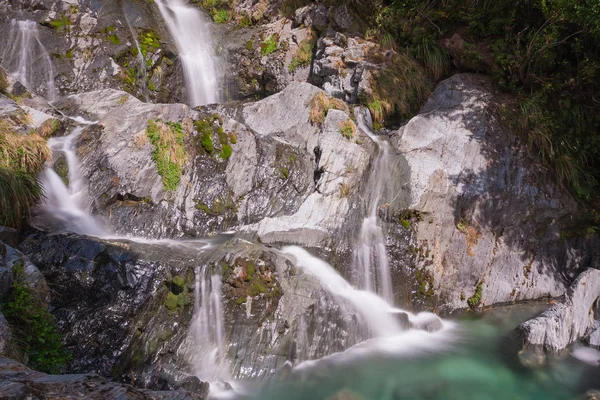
pixel 481 361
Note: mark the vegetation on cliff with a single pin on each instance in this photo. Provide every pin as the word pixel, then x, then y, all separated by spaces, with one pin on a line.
pixel 21 158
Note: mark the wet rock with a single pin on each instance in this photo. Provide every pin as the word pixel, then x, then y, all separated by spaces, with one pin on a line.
pixel 491 218
pixel 427 322
pixel 567 321
pixel 6 344
pixel 594 337
pixel 19 382
pixel 12 261
pixel 9 236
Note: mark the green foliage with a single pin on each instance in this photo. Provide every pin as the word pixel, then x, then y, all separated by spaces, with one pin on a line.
pixel 226 151
pixel 405 223
pixel 149 42
pixel 284 173
pixel 111 34
pixel 34 328
pixel 249 45
pixel 220 16
pixel 62 23
pixel 209 127
pixel 269 45
pixel 220 206
pixel 169 153
pixel 474 300
pixel 425 281
pixel 177 302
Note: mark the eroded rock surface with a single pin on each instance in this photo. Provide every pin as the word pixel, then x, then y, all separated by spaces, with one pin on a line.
pixel 569 320
pixel 491 218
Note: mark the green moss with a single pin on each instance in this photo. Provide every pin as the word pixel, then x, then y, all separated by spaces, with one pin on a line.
pixel 425 281
pixel 69 54
pixel 207 128
pixel 3 82
pixel 257 288
pixel 284 173
pixel 177 302
pixel 220 16
pixel 249 45
pixel 169 153
pixel 474 300
pixel 226 151
pixel 149 41
pixel 405 223
pixel 34 328
pixel 250 270
pixel 178 281
pixel 219 206
pixel 62 23
pixel 269 45
pixel 241 300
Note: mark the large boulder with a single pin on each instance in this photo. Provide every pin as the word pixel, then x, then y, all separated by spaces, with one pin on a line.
pixel 569 320
pixel 285 176
pixel 490 217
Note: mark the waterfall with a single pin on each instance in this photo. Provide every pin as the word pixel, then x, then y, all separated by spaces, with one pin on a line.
pixel 370 262
pixel 24 49
pixel 206 345
pixel 190 31
pixel 67 203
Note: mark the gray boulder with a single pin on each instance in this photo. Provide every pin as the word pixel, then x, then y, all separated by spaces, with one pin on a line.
pixel 490 217
pixel 569 320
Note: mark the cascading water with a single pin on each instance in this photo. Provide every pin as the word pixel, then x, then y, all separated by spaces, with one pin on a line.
pixel 192 36
pixel 206 345
pixel 370 262
pixel 67 203
pixel 24 49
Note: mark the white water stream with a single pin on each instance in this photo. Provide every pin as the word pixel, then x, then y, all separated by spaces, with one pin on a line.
pixel 69 203
pixel 24 49
pixel 190 30
pixel 206 344
pixel 370 263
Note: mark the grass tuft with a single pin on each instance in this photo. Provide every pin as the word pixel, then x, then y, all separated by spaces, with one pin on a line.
pixel 347 128
pixel 320 105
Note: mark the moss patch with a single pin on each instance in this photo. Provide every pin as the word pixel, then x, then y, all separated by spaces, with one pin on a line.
pixel 475 300
pixel 169 153
pixel 269 44
pixel 210 130
pixel 220 206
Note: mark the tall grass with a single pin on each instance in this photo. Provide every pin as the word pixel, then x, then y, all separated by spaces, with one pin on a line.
pixel 399 89
pixel 21 158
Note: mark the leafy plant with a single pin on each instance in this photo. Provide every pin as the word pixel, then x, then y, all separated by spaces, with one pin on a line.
pixel 34 328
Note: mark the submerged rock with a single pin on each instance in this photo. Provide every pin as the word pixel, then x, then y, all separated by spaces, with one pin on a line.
pixel 569 320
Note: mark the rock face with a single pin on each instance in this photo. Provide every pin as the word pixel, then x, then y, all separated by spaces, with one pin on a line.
pixel 19 382
pixel 285 174
pixel 569 320
pixel 91 46
pixel 491 223
pixel 126 308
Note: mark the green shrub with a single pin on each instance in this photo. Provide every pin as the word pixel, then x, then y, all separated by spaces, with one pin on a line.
pixel 34 328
